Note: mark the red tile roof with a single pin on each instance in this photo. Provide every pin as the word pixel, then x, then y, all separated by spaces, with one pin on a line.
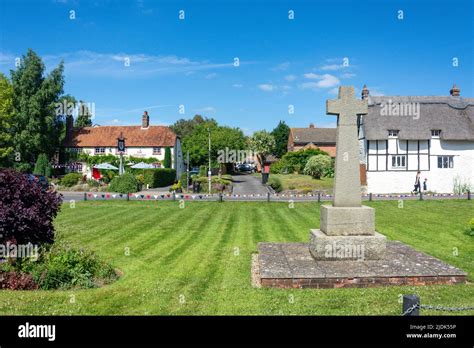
pixel 135 136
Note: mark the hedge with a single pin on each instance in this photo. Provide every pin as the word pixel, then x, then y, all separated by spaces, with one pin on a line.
pixel 159 177
pixel 124 184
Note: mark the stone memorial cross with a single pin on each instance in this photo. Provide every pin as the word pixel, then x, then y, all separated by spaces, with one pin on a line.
pixel 347 175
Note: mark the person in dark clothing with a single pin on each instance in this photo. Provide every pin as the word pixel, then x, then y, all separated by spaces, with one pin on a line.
pixel 417 188
pixel 425 185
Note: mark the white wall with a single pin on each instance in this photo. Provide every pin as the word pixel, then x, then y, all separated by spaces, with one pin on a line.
pixel 439 179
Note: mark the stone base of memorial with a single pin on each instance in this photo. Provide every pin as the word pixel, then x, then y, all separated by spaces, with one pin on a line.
pixel 291 265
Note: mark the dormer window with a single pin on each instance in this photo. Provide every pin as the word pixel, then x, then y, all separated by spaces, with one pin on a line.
pixel 435 133
pixel 393 133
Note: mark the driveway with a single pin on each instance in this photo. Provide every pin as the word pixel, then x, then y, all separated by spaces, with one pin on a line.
pixel 245 184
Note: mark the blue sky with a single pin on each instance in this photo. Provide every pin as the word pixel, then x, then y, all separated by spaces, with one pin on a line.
pixel 283 62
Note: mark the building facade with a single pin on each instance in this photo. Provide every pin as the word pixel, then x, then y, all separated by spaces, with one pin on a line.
pixel 312 138
pixel 402 135
pixel 145 141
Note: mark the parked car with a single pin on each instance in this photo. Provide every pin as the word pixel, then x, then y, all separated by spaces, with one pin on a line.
pixel 245 168
pixel 40 180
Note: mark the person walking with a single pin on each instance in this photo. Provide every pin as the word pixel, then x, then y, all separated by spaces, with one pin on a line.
pixel 417 188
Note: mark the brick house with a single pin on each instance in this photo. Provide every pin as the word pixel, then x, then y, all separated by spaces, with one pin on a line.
pixel 312 138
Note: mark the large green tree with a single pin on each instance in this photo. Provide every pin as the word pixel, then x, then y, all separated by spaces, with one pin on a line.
pixel 6 119
pixel 222 137
pixel 281 133
pixel 37 125
pixel 184 128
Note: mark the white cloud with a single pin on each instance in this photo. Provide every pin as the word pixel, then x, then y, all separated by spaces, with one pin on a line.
pixel 209 109
pixel 311 76
pixel 237 85
pixel 348 75
pixel 139 65
pixel 290 77
pixel 332 67
pixel 267 87
pixel 334 91
pixel 282 66
pixel 325 81
pixel 211 76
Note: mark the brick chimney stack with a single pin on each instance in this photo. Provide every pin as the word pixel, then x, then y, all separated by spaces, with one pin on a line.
pixel 311 125
pixel 455 91
pixel 145 120
pixel 365 92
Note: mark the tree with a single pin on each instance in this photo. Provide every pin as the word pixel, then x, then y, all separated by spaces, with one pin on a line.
pixel 184 128
pixel 263 144
pixel 84 117
pixel 37 126
pixel 222 137
pixel 6 119
pixel 317 166
pixel 26 217
pixel 43 167
pixel 281 133
pixel 167 160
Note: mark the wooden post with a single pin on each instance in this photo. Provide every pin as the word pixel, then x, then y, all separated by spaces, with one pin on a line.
pixel 128 196
pixel 370 197
pixel 408 302
pixel 421 195
pixel 85 196
pixel 174 196
pixel 469 195
pixel 268 196
pixel 319 197
pixel 220 196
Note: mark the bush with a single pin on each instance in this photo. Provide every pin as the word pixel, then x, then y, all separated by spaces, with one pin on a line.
pixel 167 160
pixel 159 177
pixel 318 165
pixel 124 184
pixel 275 183
pixel 66 267
pixel 71 179
pixel 183 180
pixel 43 167
pixel 17 281
pixel 26 212
pixel 295 162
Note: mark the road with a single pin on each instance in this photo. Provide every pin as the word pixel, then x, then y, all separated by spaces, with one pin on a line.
pixel 245 184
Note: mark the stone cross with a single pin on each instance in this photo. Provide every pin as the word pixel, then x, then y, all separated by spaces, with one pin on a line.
pixel 347 176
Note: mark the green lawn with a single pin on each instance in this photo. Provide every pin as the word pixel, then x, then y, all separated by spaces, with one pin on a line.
pixel 304 183
pixel 196 260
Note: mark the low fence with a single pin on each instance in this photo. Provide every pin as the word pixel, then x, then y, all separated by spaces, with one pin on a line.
pixel 269 197
pixel 411 306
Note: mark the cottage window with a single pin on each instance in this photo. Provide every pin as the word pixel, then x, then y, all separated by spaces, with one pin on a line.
pixel 393 133
pixel 76 149
pixel 435 133
pixel 445 162
pixel 399 161
pixel 157 150
pixel 78 168
pixel 99 150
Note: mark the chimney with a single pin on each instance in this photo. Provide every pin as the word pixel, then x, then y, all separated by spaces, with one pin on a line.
pixel 311 125
pixel 365 92
pixel 455 91
pixel 145 120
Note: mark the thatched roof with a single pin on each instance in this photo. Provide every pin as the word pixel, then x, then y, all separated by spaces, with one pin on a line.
pixel 454 116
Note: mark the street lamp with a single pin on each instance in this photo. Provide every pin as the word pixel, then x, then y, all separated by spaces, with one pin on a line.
pixel 209 169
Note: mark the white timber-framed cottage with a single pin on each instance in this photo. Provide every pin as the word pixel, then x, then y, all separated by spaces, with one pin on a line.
pixel 402 135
